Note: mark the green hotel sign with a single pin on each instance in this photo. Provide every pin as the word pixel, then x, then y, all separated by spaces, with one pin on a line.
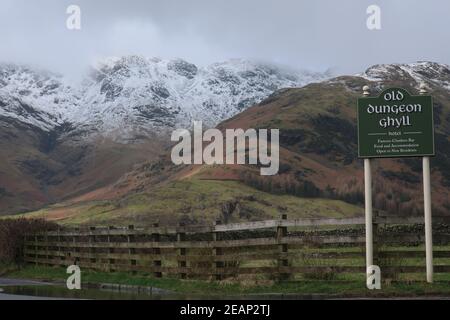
pixel 395 124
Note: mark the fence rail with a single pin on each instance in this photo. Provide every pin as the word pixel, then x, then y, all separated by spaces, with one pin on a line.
pixel 220 251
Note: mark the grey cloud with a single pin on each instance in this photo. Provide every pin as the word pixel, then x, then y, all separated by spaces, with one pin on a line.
pixel 311 34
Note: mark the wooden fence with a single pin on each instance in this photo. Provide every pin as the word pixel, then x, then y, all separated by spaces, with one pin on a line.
pixel 274 249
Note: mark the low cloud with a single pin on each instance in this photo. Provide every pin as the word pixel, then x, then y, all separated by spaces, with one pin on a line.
pixel 310 34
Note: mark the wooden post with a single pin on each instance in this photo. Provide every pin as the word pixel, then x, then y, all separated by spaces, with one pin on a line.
pixel 72 249
pixel 376 238
pixel 25 249
pixel 111 261
pixel 131 251
pixel 182 262
pixel 217 252
pixel 157 263
pixel 60 255
pixel 427 208
pixel 46 250
pixel 36 250
pixel 282 249
pixel 75 249
pixel 92 250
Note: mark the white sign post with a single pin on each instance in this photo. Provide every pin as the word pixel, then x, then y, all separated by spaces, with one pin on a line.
pixel 427 210
pixel 368 202
pixel 426 149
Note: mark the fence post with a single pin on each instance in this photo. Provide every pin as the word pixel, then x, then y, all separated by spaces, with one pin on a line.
pixel 36 250
pixel 60 256
pixel 156 251
pixel 76 249
pixel 47 256
pixel 25 250
pixel 92 250
pixel 376 238
pixel 72 249
pixel 182 260
pixel 217 252
pixel 282 249
pixel 111 261
pixel 131 251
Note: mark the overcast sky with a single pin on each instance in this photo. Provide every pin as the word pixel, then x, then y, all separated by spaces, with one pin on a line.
pixel 315 34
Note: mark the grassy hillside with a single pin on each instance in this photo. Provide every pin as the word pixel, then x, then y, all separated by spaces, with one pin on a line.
pixel 37 169
pixel 195 201
pixel 318 137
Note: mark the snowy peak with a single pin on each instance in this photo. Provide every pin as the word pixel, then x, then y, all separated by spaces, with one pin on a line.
pixel 133 96
pixel 36 97
pixel 430 73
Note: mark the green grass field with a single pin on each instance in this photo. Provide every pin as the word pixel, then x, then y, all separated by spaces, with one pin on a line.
pixel 199 201
pixel 345 287
pixel 325 283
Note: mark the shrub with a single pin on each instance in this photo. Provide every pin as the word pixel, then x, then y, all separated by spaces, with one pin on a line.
pixel 12 232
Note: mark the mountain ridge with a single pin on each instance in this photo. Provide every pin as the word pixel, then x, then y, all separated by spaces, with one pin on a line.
pixel 61 139
pixel 124 98
pixel 318 155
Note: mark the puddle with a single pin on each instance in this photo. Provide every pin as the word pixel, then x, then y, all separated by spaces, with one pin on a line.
pixel 51 291
pixel 55 291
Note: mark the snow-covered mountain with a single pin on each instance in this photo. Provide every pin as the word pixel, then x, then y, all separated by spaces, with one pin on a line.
pixel 431 73
pixel 133 96
pixel 38 98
